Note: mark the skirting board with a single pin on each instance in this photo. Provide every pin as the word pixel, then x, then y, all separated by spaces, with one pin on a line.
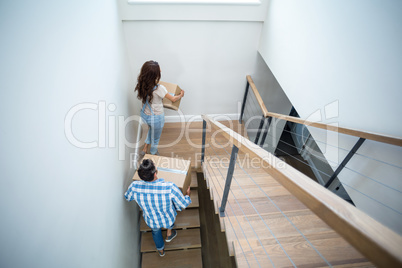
pixel 197 118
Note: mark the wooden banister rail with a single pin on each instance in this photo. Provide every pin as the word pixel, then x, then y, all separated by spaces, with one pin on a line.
pixel 349 131
pixel 257 96
pixel 376 242
pixel 353 132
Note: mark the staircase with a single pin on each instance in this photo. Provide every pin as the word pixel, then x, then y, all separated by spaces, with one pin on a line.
pixel 185 249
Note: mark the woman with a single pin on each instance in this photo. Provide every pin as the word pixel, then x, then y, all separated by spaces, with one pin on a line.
pixel 151 94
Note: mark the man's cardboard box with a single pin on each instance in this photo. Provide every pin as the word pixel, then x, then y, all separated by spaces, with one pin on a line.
pixel 174 90
pixel 170 169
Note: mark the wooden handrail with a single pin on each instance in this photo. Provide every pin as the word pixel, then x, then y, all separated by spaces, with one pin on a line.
pixel 379 244
pixel 349 131
pixel 257 96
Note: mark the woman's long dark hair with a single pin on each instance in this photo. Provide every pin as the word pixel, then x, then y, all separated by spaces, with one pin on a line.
pixel 147 80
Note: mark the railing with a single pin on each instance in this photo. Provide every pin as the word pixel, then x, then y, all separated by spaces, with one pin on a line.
pixel 265 114
pixel 375 241
pixel 330 169
pixel 257 116
pixel 352 132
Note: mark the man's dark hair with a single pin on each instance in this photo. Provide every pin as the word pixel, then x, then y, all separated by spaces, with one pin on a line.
pixel 147 170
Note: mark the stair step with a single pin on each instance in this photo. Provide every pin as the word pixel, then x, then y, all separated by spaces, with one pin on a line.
pixel 194 199
pixel 185 239
pixel 194 183
pixel 188 218
pixel 177 258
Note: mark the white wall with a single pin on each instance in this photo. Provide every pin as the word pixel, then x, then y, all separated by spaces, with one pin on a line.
pixel 339 50
pixel 339 62
pixel 62 206
pixel 208 59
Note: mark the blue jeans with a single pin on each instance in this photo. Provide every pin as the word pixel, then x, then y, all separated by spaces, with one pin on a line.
pixel 155 123
pixel 158 238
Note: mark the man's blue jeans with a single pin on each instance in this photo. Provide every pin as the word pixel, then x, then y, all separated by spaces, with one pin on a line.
pixel 155 123
pixel 158 238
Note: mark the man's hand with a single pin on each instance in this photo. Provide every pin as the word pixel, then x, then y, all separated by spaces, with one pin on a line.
pixel 188 191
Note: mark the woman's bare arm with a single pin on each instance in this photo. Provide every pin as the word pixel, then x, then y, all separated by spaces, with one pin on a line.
pixel 175 98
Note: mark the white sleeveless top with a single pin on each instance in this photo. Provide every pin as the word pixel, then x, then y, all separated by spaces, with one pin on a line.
pixel 156 105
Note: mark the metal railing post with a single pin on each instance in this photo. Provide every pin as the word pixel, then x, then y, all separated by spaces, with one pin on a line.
pixel 266 131
pixel 204 130
pixel 345 161
pixel 259 129
pixel 229 177
pixel 244 103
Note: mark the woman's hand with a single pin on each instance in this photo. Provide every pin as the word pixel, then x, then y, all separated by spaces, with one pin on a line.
pixel 175 98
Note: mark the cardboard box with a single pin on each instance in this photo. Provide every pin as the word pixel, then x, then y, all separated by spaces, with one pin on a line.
pixel 170 169
pixel 172 89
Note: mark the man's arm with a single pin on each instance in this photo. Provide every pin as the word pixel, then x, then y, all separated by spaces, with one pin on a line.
pixel 129 195
pixel 179 200
pixel 188 191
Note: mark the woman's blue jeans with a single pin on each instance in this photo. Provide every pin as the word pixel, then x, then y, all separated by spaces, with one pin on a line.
pixel 155 123
pixel 158 238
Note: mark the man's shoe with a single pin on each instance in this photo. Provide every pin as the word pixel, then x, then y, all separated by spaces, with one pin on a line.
pixel 170 237
pixel 161 253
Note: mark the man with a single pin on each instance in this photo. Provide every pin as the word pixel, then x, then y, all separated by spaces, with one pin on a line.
pixel 159 201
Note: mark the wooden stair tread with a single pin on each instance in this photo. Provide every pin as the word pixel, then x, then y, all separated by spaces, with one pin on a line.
pixel 301 258
pixel 188 218
pixel 194 183
pixel 172 259
pixel 194 199
pixel 185 239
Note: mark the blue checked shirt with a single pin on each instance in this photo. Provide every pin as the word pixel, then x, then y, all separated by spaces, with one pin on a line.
pixel 158 200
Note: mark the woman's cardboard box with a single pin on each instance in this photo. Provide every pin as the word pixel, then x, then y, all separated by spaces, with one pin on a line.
pixel 174 90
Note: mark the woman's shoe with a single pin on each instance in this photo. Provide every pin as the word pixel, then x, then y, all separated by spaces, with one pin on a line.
pixel 161 253
pixel 142 153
